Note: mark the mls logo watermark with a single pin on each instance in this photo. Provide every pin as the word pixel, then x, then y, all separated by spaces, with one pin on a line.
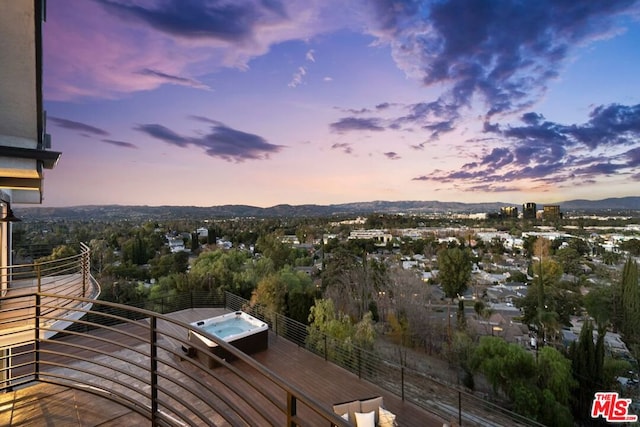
pixel 612 408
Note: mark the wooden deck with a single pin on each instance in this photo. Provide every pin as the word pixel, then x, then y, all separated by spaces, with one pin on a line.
pixel 320 380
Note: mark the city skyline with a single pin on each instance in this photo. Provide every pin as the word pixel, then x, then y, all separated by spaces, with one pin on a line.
pixel 263 102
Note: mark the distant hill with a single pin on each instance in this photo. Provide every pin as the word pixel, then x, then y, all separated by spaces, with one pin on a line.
pixel 612 204
pixel 621 206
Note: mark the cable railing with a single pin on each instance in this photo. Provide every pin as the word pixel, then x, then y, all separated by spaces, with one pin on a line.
pixel 140 359
pixel 448 401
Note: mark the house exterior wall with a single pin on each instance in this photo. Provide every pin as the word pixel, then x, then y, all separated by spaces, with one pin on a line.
pixel 18 86
pixel 23 143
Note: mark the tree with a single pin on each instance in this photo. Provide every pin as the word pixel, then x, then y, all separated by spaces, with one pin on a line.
pixel 630 301
pixel 224 270
pixel 325 321
pixel 271 247
pixel 101 254
pixel 342 335
pixel 195 243
pixel 544 305
pixel 539 390
pixel 570 259
pixel 478 307
pixel 580 245
pixel 518 276
pixel 632 246
pixel 163 265
pixel 287 292
pixel 587 360
pixel 454 266
pixel 460 354
pixel 411 299
pixel 271 294
pixel 599 304
pixel 611 258
pixel 504 365
pixel 461 320
pixel 351 283
pixel 59 252
pixel 136 251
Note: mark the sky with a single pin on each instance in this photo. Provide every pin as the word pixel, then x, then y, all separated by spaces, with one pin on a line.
pixel 267 102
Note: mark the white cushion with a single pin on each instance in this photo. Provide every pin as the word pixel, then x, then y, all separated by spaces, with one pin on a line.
pixel 387 418
pixel 366 419
pixel 371 405
pixel 345 416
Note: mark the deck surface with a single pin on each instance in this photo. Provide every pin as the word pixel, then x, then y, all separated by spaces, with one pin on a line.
pixel 44 404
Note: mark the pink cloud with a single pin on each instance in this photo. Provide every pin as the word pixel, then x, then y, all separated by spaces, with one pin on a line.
pixel 91 52
pixel 88 53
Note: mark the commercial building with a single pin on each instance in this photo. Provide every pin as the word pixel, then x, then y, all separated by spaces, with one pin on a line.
pixel 529 210
pixel 551 212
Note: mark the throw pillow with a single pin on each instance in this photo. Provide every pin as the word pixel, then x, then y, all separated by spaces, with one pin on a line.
pixel 372 405
pixel 365 419
pixel 387 418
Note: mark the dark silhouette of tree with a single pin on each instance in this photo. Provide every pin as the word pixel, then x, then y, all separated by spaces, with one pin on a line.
pixel 454 265
pixel 587 360
pixel 630 302
pixel 632 246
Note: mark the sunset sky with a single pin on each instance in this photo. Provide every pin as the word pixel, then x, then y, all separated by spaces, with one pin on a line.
pixel 264 102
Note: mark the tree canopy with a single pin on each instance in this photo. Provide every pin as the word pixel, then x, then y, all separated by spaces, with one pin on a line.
pixel 454 265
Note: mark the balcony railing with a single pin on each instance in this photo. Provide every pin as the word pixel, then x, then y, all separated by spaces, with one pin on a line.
pixel 61 278
pixel 137 358
pixel 69 275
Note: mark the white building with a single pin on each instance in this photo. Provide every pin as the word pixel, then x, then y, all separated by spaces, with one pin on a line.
pixel 380 236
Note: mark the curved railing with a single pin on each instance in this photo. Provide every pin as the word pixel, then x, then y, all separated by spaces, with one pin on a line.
pixel 60 277
pixel 66 275
pixel 141 359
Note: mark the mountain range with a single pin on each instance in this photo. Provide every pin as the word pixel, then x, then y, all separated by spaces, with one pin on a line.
pixel 610 206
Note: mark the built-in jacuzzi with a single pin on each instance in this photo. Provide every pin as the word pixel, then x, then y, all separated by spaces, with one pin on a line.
pixel 239 329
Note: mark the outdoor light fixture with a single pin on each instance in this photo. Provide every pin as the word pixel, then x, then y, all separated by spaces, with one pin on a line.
pixel 9 217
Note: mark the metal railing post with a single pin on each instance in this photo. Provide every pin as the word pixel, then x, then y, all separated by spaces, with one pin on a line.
pixel 291 409
pixel 85 265
pixel 402 381
pixel 325 347
pixel 38 277
pixel 37 336
pixel 153 369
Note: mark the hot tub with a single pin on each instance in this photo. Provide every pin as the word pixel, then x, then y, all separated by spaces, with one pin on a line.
pixel 239 329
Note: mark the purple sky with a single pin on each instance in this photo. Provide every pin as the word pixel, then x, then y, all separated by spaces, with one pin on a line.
pixel 262 102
